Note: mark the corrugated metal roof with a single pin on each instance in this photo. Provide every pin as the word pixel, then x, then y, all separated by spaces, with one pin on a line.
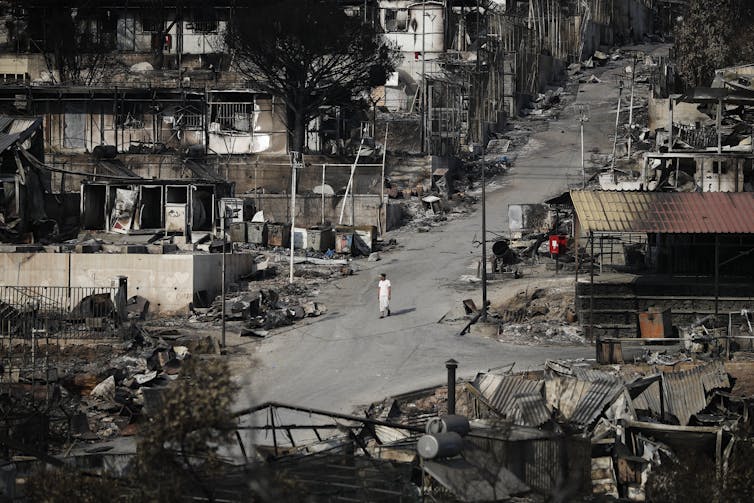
pixel 599 395
pixel 665 212
pixel 6 140
pixel 530 410
pixel 580 402
pixel 116 167
pixel 500 390
pixel 685 392
pixel 5 122
pixel 21 125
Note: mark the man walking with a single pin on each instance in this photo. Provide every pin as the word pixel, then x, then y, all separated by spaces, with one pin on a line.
pixel 384 291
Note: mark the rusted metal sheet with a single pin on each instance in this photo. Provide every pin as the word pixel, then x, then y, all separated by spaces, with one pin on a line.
pixel 655 324
pixel 580 401
pixel 500 390
pixel 530 410
pixel 685 393
pixel 665 212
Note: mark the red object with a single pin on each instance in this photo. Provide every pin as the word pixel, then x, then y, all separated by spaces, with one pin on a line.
pixel 557 244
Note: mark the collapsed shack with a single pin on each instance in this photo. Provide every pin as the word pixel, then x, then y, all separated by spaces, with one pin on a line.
pixel 681 251
pixel 575 430
pixel 29 209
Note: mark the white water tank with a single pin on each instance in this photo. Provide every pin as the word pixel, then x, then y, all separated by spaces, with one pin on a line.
pixel 439 445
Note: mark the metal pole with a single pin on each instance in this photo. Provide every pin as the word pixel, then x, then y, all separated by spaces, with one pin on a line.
pixel 222 281
pixel 293 217
pixel 484 247
pixel 349 186
pixel 451 365
pixel 617 120
pixel 323 194
pixel 424 79
pixel 382 181
pixel 717 275
pixel 631 106
pixel 719 128
pixel 591 293
pixel 583 167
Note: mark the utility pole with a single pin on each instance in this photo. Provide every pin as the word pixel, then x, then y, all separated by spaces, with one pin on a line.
pixel 483 317
pixel 223 217
pixel 424 79
pixel 484 247
pixel 297 162
pixel 631 106
pixel 583 117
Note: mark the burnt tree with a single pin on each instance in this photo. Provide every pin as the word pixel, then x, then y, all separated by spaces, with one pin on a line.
pixel 308 53
pixel 713 34
pixel 77 38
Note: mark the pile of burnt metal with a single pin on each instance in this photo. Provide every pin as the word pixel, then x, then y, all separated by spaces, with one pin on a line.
pixel 571 429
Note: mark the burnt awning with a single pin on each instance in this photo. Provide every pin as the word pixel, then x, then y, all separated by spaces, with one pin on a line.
pixel 665 212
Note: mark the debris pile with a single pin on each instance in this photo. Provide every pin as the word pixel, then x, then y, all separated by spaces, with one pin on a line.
pixel 544 315
pixel 262 309
pixel 544 104
pixel 603 428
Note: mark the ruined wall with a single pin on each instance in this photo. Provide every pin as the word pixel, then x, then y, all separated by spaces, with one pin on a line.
pixel 684 114
pixel 167 281
pixel 309 209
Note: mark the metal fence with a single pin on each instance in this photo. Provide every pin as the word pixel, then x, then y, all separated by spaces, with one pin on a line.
pixel 59 311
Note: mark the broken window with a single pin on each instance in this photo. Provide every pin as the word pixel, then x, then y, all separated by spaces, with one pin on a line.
pixel 232 116
pixel 396 20
pixel 130 115
pixel 189 117
pixel 718 167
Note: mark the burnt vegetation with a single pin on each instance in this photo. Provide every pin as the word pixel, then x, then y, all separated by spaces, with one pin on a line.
pixel 312 55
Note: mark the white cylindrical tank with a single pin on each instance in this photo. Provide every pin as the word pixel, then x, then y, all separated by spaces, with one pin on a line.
pixel 439 445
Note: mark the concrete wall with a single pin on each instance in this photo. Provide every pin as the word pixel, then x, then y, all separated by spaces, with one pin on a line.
pixel 167 281
pixel 686 114
pixel 276 208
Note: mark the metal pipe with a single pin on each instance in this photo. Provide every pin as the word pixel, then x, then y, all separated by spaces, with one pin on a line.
pixel 451 365
pixel 320 412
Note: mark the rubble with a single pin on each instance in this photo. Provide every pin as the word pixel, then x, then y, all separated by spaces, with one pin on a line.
pixel 624 414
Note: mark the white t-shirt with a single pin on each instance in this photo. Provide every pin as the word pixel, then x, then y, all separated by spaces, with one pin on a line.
pixel 384 286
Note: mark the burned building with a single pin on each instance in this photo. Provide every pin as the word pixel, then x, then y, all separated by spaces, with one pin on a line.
pixel 686 252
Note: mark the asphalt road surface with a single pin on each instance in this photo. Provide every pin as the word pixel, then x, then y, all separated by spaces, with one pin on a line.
pixel 350 357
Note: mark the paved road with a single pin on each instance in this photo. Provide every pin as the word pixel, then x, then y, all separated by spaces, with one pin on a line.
pixel 350 357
